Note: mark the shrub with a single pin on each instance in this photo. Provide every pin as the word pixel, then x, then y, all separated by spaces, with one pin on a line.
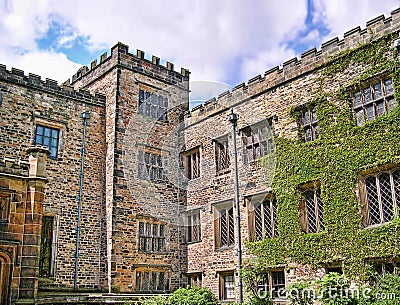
pixel 192 296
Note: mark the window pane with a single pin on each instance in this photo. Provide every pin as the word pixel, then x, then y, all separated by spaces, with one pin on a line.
pixel 310 210
pixel 388 86
pixel 371 112
pixel 360 116
pixel 380 108
pixel 258 225
pixel 396 182
pixel 267 219
pixel 39 139
pixel 47 132
pixel 314 115
pixel 357 99
pixel 308 134
pixel 39 130
pixel 231 227
pixel 391 104
pixel 306 118
pixel 367 95
pixel 46 141
pixel 386 197
pixel 377 91
pixel 372 199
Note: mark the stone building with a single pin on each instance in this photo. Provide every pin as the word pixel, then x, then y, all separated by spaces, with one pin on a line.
pixel 158 193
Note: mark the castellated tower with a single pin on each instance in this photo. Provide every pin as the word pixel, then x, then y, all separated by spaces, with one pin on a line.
pixel 144 103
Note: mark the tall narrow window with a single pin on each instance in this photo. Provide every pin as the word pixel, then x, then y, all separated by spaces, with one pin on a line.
pixel 224 227
pixel 151 237
pixel 312 213
pixel 373 101
pixel 5 200
pixel 264 220
pixel 46 243
pixel 227 286
pixel 192 163
pixel 222 160
pixel 257 142
pixel 152 166
pixel 382 197
pixel 48 137
pixel 309 124
pixel 153 105
pixel 193 227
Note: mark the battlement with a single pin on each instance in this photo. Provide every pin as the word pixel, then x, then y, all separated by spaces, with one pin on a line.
pixel 18 77
pixel 136 62
pixel 375 29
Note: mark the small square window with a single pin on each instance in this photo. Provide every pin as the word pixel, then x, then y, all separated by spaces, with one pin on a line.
pixel 48 137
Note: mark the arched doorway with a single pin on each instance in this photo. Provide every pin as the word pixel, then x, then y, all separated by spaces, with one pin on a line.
pixel 5 269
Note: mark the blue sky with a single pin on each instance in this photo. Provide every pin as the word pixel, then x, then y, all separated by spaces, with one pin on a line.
pixel 225 41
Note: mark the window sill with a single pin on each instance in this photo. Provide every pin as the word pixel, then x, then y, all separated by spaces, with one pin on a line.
pixel 221 249
pixel 152 252
pixel 192 242
pixel 377 225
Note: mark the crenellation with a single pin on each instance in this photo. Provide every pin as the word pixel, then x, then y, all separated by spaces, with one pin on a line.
pixel 103 57
pixel 35 79
pixel 93 64
pixel 378 20
pixel 17 72
pixel 17 76
pixel 52 84
pixel 140 54
pixel 169 66
pixel 155 60
pixel 227 92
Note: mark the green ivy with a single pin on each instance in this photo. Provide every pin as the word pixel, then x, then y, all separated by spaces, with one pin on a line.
pixel 335 160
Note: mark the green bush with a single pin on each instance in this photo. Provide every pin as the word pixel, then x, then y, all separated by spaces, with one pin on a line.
pixel 192 296
pixel 385 291
pixel 184 296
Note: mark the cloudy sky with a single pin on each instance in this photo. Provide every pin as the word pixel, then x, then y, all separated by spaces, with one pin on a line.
pixel 225 41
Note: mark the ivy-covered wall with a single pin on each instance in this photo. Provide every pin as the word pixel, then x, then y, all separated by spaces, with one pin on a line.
pixel 335 160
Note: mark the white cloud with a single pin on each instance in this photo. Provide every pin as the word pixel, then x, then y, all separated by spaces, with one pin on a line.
pixel 225 40
pixel 257 65
pixel 343 15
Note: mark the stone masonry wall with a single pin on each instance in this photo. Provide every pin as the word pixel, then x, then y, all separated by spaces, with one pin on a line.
pixel 28 101
pixel 129 198
pixel 271 98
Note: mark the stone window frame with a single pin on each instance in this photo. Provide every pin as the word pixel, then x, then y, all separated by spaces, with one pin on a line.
pixel 222 156
pixel 308 123
pixel 224 225
pixel 158 279
pixel 271 283
pixel 370 203
pixel 257 143
pixel 367 105
pixel 257 208
pixel 151 236
pixel 192 223
pixel 60 126
pixel 195 279
pixel 384 266
pixel 154 167
pixel 152 105
pixel 191 162
pixel 54 244
pixel 227 285
pixel 311 208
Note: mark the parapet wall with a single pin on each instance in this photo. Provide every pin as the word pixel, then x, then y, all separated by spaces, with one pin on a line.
pixel 136 62
pixel 376 28
pixel 34 81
